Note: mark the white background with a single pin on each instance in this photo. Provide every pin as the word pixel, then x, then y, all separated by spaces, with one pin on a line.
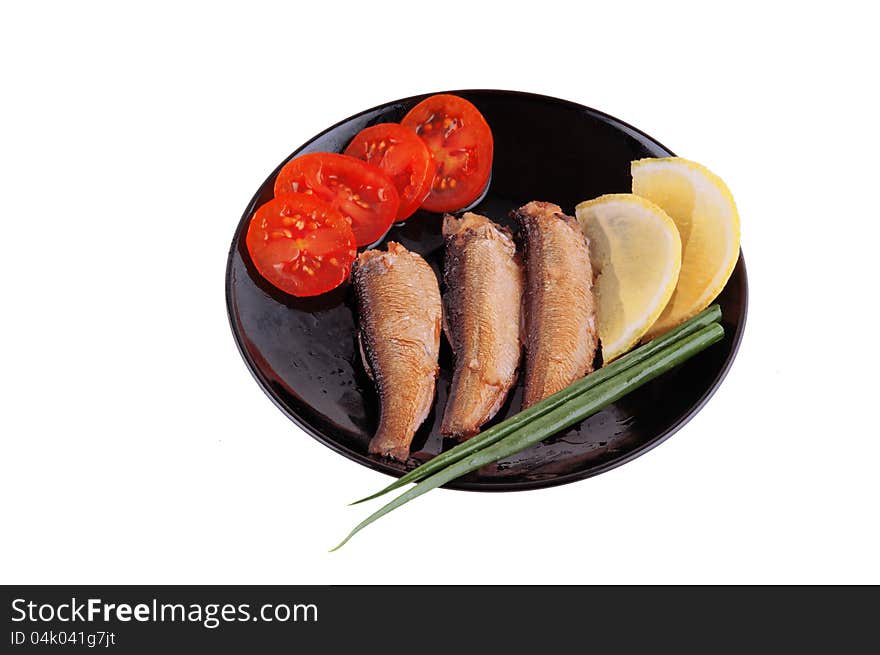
pixel 136 447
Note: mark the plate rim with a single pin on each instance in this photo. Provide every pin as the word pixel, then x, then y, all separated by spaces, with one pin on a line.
pixel 523 485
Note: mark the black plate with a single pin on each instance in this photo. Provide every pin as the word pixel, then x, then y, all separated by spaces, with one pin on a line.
pixel 303 352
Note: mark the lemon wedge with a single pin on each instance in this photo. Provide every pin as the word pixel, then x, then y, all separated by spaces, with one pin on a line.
pixel 705 214
pixel 635 253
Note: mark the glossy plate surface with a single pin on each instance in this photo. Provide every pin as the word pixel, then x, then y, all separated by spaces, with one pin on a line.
pixel 304 354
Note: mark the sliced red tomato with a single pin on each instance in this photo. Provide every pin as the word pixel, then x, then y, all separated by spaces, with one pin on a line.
pixel 362 193
pixel 402 156
pixel 461 142
pixel 301 244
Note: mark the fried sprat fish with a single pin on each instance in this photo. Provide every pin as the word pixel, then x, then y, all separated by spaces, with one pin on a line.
pixel 399 310
pixel 560 320
pixel 482 306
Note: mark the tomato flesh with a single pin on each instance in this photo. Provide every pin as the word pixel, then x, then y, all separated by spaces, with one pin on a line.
pixel 364 195
pixel 402 156
pixel 301 244
pixel 461 142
